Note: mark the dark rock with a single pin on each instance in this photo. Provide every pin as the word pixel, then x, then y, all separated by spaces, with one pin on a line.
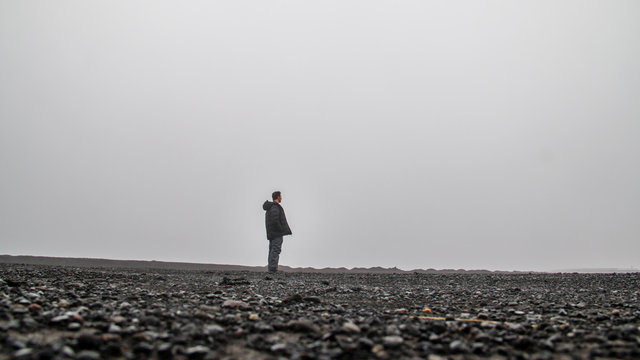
pixel 295 298
pixel 25 353
pixel 89 341
pixel 197 352
pixel 392 341
pixel 302 325
pixel 88 355
pixel 235 304
pixel 234 281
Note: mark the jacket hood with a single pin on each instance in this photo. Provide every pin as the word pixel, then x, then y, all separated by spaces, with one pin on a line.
pixel 267 205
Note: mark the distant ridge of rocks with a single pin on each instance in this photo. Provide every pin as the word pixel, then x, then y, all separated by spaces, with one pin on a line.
pixel 152 264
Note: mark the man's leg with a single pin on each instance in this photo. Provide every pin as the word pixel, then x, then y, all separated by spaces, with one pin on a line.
pixel 275 246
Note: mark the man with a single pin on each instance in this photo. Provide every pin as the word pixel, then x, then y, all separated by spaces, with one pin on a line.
pixel 277 227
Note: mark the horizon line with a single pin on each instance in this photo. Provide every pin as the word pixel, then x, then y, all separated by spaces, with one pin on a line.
pixel 393 268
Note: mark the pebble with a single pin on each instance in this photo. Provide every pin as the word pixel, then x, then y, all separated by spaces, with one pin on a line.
pixel 197 350
pixel 88 355
pixel 302 325
pixel 68 351
pixel 350 328
pixel 213 329
pixel 23 353
pixel 114 329
pixel 457 345
pixel 392 340
pixel 278 347
pixel 19 309
pixel 60 318
pixel 235 304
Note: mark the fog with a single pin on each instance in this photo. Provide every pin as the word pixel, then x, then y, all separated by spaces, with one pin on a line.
pixel 417 134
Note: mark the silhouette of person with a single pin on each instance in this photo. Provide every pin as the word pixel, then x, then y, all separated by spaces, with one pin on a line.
pixel 277 228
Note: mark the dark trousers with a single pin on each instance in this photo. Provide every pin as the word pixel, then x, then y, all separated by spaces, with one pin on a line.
pixel 275 246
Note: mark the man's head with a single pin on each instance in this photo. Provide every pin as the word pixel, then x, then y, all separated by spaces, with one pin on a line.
pixel 277 196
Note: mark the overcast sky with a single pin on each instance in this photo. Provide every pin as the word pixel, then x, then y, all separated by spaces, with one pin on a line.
pixel 417 134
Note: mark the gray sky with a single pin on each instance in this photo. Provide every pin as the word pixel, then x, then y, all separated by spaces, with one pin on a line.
pixel 418 134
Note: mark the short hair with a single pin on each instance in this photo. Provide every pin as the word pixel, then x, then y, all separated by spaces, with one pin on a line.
pixel 275 195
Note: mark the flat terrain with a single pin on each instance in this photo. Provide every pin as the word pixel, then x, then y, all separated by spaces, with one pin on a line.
pixel 88 313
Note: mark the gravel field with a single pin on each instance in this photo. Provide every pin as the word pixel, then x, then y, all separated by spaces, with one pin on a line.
pixel 90 313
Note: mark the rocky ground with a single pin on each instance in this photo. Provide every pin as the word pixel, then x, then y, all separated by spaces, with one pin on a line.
pixel 91 313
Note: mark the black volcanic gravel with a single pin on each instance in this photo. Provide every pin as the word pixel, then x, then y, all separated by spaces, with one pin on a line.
pixel 91 313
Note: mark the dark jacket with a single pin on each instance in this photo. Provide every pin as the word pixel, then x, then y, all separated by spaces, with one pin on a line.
pixel 275 220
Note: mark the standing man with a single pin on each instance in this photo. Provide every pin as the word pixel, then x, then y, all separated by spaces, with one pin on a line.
pixel 277 227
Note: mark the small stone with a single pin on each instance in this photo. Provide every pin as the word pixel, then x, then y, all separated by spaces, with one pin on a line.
pixel 88 355
pixel 234 282
pixel 63 303
pixel 23 353
pixel 366 342
pixel 209 308
pixel 32 295
pixel 143 348
pixel 18 309
pixel 59 319
pixel 400 311
pixel 164 349
pixel 295 298
pixel 197 350
pixel 392 330
pixel 278 347
pixel 263 327
pixel 213 329
pixel 392 340
pixel 74 326
pixel 141 337
pixel 350 327
pixel 124 305
pixel 254 317
pixel 68 351
pixel 114 329
pixel 303 325
pixel 456 345
pixel 35 307
pixel 88 340
pixel 118 319
pixel 235 304
pixel 477 346
pixel 313 299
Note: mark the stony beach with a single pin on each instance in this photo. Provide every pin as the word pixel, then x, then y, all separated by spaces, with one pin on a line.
pixel 67 312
